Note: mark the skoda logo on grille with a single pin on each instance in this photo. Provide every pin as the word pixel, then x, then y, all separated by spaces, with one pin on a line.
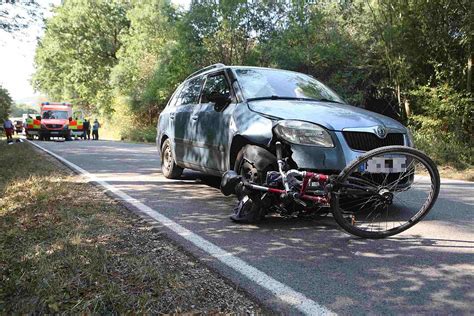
pixel 381 131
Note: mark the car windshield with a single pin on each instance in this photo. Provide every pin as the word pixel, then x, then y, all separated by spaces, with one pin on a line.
pixel 274 84
pixel 49 114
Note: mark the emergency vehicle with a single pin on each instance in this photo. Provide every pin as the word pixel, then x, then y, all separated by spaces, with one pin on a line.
pixel 18 126
pixel 56 120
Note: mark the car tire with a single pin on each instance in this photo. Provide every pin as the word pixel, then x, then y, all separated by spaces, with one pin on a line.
pixel 262 160
pixel 252 163
pixel 168 165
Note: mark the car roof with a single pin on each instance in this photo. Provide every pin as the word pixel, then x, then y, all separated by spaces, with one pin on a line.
pixel 223 67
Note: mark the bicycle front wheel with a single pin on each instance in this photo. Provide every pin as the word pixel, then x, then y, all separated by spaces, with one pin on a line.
pixel 385 191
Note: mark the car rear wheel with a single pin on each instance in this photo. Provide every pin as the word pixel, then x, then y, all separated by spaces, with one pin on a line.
pixel 168 166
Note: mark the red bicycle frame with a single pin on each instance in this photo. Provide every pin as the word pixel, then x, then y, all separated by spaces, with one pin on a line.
pixel 308 177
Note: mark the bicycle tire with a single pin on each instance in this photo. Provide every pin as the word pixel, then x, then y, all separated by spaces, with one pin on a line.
pixel 336 196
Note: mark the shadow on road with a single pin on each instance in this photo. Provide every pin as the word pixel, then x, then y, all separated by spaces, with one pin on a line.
pixel 412 273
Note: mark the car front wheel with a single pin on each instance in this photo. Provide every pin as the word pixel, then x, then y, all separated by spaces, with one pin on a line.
pixel 168 166
pixel 252 163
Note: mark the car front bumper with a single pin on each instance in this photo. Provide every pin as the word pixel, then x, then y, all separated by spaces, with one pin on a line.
pixel 32 132
pixel 54 133
pixel 330 160
pixel 77 132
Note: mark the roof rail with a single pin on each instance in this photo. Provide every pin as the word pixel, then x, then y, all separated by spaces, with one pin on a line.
pixel 205 69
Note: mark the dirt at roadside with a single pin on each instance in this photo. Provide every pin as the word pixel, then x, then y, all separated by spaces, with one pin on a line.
pixel 65 246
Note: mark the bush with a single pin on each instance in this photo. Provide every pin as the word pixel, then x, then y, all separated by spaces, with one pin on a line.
pixel 442 124
pixel 442 145
pixel 125 124
pixel 145 134
pixel 451 111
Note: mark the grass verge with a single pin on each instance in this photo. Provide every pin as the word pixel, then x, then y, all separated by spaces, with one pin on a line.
pixel 66 247
pixel 449 172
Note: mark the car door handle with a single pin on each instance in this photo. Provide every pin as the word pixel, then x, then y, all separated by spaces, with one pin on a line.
pixel 194 117
pixel 172 116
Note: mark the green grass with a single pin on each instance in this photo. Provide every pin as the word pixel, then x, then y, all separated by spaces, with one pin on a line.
pixel 146 134
pixel 67 247
pixel 139 134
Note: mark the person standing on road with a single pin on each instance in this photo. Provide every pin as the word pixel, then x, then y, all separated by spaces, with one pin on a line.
pixel 87 129
pixel 9 129
pixel 95 130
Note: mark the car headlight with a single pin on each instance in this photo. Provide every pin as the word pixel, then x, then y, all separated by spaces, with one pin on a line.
pixel 65 126
pixel 303 133
pixel 43 126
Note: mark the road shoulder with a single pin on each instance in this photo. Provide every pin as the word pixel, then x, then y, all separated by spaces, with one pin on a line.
pixel 68 247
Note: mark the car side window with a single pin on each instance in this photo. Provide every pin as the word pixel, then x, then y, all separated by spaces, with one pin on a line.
pixel 215 84
pixel 174 97
pixel 190 92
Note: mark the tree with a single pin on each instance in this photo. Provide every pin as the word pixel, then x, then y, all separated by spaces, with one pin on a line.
pixel 17 110
pixel 5 103
pixel 75 57
pixel 143 49
pixel 129 56
pixel 422 42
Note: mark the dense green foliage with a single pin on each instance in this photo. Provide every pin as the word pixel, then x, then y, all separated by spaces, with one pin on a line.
pixel 75 57
pixel 6 103
pixel 18 110
pixel 411 60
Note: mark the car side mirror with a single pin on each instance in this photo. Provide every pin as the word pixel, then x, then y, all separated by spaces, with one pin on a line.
pixel 220 100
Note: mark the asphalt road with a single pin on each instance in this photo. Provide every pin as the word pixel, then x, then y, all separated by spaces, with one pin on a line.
pixel 428 269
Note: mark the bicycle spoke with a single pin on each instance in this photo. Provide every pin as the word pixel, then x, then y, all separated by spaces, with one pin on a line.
pixel 383 203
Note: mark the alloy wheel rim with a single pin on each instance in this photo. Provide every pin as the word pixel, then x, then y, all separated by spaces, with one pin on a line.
pixel 167 158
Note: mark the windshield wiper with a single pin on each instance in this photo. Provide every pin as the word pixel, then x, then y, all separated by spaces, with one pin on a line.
pixel 328 100
pixel 271 97
pixel 276 97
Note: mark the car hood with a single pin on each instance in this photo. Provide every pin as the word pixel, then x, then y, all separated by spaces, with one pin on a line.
pixel 54 121
pixel 332 116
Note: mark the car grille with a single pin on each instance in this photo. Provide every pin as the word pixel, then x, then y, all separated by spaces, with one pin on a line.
pixel 368 141
pixel 53 126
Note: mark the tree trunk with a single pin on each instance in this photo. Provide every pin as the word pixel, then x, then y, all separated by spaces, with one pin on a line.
pixel 399 98
pixel 469 72
pixel 407 108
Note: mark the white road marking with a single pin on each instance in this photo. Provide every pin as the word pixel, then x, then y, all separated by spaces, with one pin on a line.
pixel 283 292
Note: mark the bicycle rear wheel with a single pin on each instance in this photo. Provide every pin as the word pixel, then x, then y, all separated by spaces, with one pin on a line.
pixel 385 191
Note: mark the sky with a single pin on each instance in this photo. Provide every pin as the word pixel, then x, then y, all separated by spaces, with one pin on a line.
pixel 17 57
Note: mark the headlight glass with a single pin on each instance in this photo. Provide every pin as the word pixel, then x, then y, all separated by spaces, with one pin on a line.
pixel 43 126
pixel 65 126
pixel 303 133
